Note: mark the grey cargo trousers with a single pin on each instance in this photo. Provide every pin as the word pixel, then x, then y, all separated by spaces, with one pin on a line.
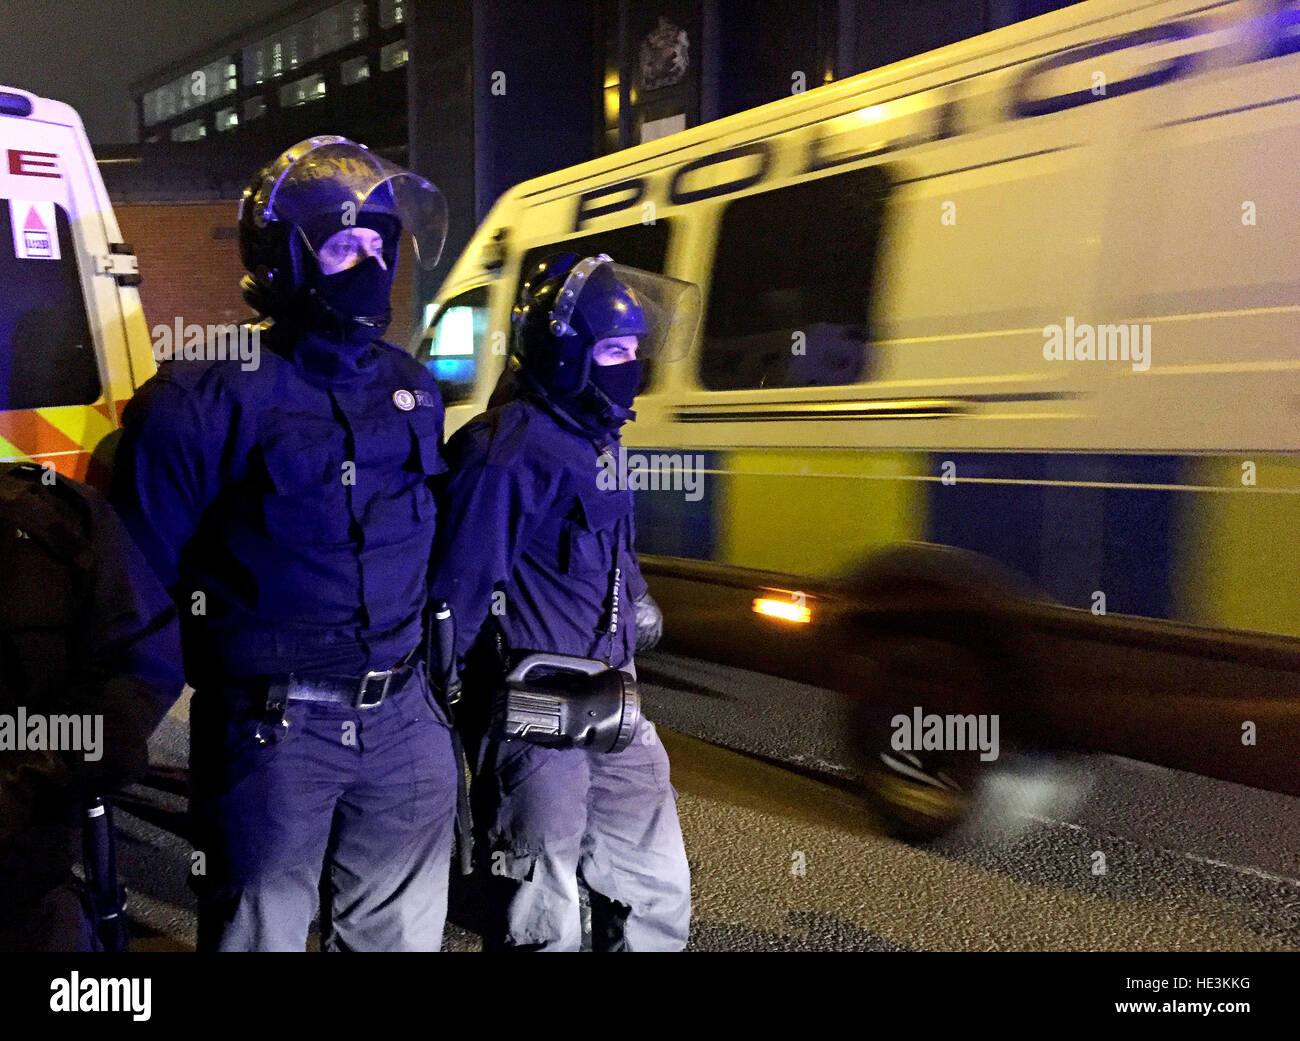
pixel 547 817
pixel 367 794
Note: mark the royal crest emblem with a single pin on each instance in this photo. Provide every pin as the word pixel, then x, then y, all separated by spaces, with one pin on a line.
pixel 664 56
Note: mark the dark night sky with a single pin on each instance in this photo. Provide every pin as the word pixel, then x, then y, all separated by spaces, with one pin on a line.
pixel 86 52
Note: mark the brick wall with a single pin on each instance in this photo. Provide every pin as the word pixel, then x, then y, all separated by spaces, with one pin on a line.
pixel 189 258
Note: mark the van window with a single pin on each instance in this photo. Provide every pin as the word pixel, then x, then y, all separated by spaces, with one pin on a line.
pixel 790 299
pixel 454 344
pixel 636 245
pixel 47 355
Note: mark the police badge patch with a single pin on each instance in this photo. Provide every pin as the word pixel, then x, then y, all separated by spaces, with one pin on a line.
pixel 404 400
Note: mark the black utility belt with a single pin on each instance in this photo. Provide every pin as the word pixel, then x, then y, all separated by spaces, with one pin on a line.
pixel 359 692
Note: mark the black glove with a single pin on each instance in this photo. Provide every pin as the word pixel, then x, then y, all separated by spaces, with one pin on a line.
pixel 649 622
pixel 26 780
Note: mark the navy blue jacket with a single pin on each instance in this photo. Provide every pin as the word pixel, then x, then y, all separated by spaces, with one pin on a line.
pixel 528 533
pixel 298 504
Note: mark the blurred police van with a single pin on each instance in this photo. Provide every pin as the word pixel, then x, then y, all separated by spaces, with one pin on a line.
pixel 73 340
pixel 996 394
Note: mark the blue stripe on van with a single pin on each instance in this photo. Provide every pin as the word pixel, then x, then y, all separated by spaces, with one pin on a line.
pixel 1069 541
pixel 668 523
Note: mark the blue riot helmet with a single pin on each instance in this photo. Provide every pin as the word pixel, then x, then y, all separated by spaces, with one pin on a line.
pixel 299 202
pixel 568 305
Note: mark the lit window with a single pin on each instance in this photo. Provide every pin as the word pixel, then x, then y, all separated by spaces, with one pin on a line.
pixel 227 119
pixel 355 70
pixel 181 91
pixel 293 46
pixel 191 131
pixel 303 91
pixel 610 111
pixel 391 13
pixel 393 56
pixel 331 29
pixel 357 21
pixel 208 83
pixel 255 63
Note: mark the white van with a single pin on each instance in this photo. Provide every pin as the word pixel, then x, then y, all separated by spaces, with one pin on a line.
pixel 1020 314
pixel 73 341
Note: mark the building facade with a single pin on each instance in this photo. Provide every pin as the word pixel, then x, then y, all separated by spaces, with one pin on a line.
pixel 478 95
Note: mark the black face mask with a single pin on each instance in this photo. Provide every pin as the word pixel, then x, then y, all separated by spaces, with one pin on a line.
pixel 359 297
pixel 619 382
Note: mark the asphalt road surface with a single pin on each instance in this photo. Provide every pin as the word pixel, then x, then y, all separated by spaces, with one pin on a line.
pixel 1062 851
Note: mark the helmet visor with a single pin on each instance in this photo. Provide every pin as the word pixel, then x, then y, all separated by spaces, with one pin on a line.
pixel 327 182
pixel 663 313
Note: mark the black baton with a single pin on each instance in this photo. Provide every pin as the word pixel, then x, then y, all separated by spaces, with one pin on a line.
pixel 443 636
pixel 107 898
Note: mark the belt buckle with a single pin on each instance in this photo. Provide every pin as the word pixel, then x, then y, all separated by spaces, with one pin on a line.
pixel 362 701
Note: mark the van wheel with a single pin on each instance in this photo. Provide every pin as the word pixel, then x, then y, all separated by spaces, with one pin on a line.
pixel 921 794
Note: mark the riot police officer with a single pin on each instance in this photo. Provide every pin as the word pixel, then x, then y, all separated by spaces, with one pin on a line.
pixel 90 662
pixel 288 508
pixel 535 554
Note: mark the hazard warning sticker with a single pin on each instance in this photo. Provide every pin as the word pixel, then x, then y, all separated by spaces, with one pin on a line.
pixel 36 235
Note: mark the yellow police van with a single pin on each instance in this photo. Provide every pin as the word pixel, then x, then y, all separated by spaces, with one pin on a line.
pixel 73 341
pixel 995 399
